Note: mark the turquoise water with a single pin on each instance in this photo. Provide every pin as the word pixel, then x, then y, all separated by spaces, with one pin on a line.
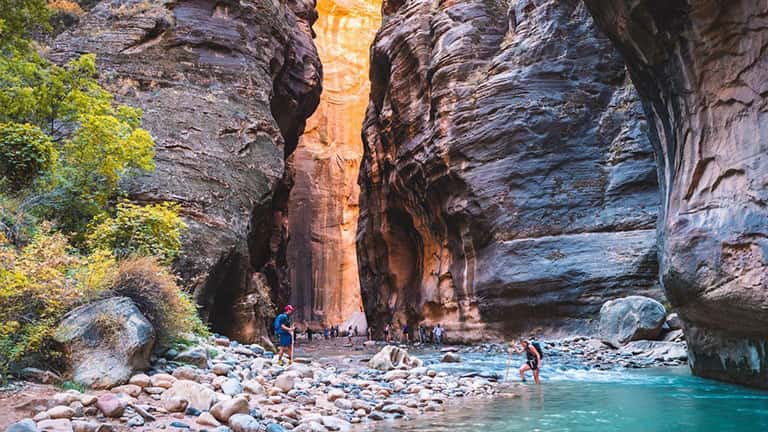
pixel 575 399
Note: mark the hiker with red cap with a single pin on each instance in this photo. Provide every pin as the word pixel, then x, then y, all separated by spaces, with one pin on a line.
pixel 285 331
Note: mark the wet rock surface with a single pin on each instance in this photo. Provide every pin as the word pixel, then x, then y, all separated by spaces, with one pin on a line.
pixel 631 318
pixel 507 181
pixel 700 68
pixel 225 87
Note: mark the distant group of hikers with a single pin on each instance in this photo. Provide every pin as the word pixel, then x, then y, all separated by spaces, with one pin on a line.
pixel 285 332
pixel 424 334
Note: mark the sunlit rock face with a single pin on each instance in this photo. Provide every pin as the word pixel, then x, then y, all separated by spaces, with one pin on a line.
pixel 225 87
pixel 323 204
pixel 507 183
pixel 701 68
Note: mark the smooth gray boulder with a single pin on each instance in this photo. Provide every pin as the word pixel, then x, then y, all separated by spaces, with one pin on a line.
pixel 631 318
pixel 105 342
pixel 392 357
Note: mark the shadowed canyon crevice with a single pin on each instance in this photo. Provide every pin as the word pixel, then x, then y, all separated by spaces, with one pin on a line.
pixel 700 68
pixel 508 183
pixel 323 204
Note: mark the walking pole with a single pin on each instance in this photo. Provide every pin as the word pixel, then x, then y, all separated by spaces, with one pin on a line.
pixel 293 341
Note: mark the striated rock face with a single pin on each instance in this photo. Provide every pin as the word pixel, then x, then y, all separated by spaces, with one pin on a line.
pixel 507 181
pixel 226 87
pixel 701 68
pixel 323 204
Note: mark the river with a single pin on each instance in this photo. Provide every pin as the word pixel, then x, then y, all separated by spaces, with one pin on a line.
pixel 575 399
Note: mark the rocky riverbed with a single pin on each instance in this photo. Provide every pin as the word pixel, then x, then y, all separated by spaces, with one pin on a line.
pixel 221 385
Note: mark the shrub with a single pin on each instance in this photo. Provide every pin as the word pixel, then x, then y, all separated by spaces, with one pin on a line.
pixel 154 290
pixel 38 285
pixel 25 153
pixel 150 230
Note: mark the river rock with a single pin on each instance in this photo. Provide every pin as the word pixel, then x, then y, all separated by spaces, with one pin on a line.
pixel 141 380
pixel 40 376
pixel 286 381
pixel 243 423
pixel 110 405
pixel 207 419
pixel 129 389
pixel 336 424
pixel 231 387
pixel 198 396
pixel 102 357
pixel 59 425
pixel 392 357
pixel 451 357
pixel 60 412
pixel 656 350
pixel 222 369
pixel 26 425
pixel 674 322
pixel 225 409
pixel 335 394
pixel 253 387
pixel 196 356
pixel 631 318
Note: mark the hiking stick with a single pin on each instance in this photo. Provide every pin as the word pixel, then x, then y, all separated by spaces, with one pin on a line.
pixel 506 370
pixel 293 341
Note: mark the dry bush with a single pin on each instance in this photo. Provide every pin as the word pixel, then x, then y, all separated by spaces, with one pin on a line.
pixel 154 290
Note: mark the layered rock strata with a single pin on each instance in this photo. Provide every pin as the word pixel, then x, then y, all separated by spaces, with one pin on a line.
pixel 323 205
pixel 507 182
pixel 701 69
pixel 225 87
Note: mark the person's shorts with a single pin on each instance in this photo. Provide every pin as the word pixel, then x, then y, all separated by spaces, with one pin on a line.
pixel 533 364
pixel 285 339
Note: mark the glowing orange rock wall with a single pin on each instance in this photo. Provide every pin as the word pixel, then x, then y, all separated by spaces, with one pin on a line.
pixel 323 205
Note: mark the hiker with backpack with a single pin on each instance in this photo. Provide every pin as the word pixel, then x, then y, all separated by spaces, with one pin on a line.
pixel 285 332
pixel 533 355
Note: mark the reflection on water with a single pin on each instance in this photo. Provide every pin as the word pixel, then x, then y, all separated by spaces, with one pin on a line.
pixel 578 400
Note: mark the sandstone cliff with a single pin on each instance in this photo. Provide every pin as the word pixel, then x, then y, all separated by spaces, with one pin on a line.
pixel 701 68
pixel 323 204
pixel 226 87
pixel 507 181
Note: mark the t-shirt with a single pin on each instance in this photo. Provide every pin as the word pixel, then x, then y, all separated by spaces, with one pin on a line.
pixel 438 331
pixel 282 320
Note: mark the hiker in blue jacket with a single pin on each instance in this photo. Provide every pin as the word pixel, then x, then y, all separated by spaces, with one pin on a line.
pixel 284 331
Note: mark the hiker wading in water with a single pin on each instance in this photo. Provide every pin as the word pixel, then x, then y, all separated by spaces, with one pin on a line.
pixel 285 331
pixel 533 355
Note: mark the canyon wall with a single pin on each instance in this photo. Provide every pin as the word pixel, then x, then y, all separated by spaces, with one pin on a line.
pixel 225 87
pixel 701 68
pixel 508 184
pixel 323 204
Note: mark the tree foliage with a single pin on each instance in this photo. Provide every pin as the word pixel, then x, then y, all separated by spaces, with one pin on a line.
pixel 153 231
pixel 25 153
pixel 19 19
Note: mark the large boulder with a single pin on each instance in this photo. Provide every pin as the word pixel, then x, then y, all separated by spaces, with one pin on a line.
pixel 631 318
pixel 392 357
pixel 105 342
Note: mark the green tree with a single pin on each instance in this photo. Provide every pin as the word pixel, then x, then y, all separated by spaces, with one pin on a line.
pixel 152 230
pixel 19 19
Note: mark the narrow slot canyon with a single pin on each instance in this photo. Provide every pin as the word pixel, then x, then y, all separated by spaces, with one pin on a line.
pixel 323 205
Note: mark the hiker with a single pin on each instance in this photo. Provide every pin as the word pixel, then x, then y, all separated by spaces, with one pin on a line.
pixel 422 334
pixel 349 334
pixel 533 355
pixel 309 334
pixel 438 333
pixel 387 330
pixel 326 333
pixel 355 331
pixel 405 333
pixel 284 331
pixel 370 333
